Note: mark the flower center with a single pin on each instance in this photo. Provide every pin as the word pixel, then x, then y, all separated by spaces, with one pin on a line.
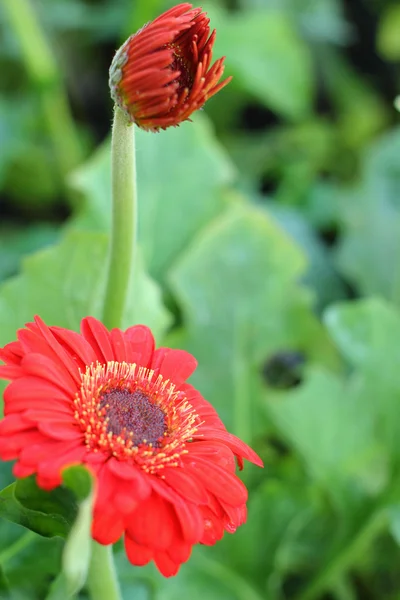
pixel 129 412
pixel 185 78
pixel 134 414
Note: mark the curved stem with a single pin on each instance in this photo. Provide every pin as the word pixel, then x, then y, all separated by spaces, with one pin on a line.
pixel 123 232
pixel 102 582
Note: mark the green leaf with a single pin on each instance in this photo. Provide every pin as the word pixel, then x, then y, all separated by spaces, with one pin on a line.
pixel 366 333
pixel 318 418
pixel 47 513
pixel 237 286
pixel 388 42
pixel 371 219
pixel 179 176
pixel 80 260
pixel 275 67
pixel 66 512
pixel 5 592
pixel 16 241
pixel 31 570
pixel 320 276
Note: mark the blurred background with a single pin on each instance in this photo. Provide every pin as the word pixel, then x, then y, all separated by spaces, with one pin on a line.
pixel 270 234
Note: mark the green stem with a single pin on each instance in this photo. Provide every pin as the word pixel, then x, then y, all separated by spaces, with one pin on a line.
pixel 46 76
pixel 123 233
pixel 102 582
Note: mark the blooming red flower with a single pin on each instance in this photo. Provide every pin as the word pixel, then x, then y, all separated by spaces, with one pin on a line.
pixel 163 461
pixel 162 73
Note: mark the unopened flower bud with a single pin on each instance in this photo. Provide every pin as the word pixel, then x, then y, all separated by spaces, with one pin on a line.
pixel 163 73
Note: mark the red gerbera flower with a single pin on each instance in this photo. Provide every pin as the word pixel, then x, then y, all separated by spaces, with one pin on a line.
pixel 162 73
pixel 163 461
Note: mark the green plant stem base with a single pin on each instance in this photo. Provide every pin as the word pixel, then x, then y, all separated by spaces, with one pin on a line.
pixel 102 582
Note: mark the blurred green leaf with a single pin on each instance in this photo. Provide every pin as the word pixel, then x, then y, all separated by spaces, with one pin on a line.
pixel 179 176
pixel 5 592
pixel 371 219
pixel 388 42
pixel 366 333
pixel 241 304
pixel 31 569
pixel 318 420
pixel 80 259
pixel 16 241
pixel 275 67
pixel 47 513
pixel 320 275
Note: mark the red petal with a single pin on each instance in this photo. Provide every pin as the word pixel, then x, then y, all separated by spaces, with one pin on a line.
pixel 49 483
pixel 234 443
pixel 11 353
pixel 179 552
pixel 53 466
pixel 213 527
pixel 107 526
pixel 126 471
pixel 99 338
pixel 33 392
pixel 165 564
pixel 13 424
pixel 188 513
pixel 60 430
pixel 137 555
pixel 20 470
pixel 63 357
pixel 34 453
pixel 57 413
pixel 76 346
pixel 139 345
pixel 218 481
pixel 186 485
pixel 10 372
pixel 118 344
pixel 154 523
pixel 11 445
pixel 40 366
pixel 175 365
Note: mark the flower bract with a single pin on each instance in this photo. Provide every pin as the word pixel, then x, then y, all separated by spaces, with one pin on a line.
pixel 163 462
pixel 163 73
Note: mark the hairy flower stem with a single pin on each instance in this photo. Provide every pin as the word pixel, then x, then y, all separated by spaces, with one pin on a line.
pixel 102 582
pixel 123 232
pixel 45 75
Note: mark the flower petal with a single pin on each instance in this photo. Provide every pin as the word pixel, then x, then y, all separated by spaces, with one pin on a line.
pixel 99 338
pixel 138 555
pixel 140 345
pixel 175 365
pixel 154 523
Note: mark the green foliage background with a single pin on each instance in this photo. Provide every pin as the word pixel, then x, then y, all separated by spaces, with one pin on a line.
pixel 269 239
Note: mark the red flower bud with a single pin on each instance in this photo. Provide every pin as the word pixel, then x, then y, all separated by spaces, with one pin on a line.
pixel 163 73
